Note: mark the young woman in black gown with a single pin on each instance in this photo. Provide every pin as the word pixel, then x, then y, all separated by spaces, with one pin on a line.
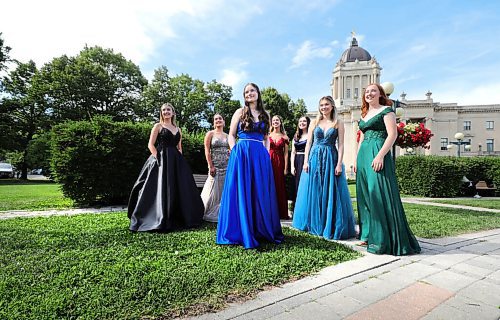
pixel 165 196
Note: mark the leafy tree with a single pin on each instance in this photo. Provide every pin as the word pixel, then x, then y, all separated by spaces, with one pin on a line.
pixel 23 112
pixel 4 53
pixel 219 101
pixel 189 99
pixel 156 93
pixel 281 104
pixel 195 102
pixel 95 82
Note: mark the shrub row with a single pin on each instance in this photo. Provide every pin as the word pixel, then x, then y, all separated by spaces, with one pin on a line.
pixel 98 162
pixel 434 176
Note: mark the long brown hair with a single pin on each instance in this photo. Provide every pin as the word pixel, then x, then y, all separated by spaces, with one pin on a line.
pixel 168 104
pixel 282 128
pixel 299 132
pixel 333 114
pixel 246 116
pixel 383 99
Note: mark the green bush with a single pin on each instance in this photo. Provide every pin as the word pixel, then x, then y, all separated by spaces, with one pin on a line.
pixel 193 151
pixel 480 168
pixel 433 176
pixel 429 176
pixel 98 162
pixel 38 156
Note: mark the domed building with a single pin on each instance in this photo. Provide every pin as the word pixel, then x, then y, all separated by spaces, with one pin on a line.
pixel 357 68
pixel 353 72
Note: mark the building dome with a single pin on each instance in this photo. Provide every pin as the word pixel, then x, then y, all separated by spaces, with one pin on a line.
pixel 355 53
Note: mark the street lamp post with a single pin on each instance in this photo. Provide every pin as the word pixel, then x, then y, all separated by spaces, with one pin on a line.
pixel 460 141
pixel 389 89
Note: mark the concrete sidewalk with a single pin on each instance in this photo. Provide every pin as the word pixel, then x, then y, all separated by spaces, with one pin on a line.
pixel 453 278
pixel 57 212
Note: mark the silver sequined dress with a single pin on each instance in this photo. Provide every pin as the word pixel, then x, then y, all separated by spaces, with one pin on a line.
pixel 212 190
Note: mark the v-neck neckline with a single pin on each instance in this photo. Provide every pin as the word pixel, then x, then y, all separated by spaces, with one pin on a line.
pixel 170 130
pixel 382 110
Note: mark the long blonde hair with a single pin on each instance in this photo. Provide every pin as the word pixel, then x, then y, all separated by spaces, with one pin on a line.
pixel 333 114
pixel 168 104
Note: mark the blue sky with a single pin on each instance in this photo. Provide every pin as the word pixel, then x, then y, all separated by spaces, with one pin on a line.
pixel 451 48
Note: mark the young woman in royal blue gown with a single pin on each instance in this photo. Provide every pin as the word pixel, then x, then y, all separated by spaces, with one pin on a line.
pixel 249 210
pixel 323 205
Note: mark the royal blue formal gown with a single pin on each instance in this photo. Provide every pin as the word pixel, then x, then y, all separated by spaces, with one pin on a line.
pixel 323 205
pixel 249 210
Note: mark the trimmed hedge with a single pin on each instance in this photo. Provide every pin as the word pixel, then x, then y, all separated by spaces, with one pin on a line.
pixel 434 176
pixel 193 150
pixel 98 162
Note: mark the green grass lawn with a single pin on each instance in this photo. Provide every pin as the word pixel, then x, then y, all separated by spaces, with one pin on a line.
pixel 31 195
pixel 92 267
pixel 435 222
pixel 481 203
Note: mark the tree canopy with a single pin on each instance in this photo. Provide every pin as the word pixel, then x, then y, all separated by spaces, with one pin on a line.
pixel 95 82
pixel 100 82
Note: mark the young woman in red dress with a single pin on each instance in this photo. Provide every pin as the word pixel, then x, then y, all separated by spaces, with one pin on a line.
pixel 279 160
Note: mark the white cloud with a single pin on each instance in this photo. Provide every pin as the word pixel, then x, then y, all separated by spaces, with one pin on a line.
pixel 233 77
pixel 233 72
pixel 418 48
pixel 308 51
pixel 42 30
pixel 464 94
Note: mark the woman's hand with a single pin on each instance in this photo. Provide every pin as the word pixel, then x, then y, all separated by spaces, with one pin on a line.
pixel 338 169
pixel 155 156
pixel 293 171
pixel 378 163
pixel 305 167
pixel 212 171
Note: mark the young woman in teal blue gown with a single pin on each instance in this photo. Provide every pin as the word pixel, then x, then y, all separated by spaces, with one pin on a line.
pixel 323 205
pixel 382 220
pixel 249 210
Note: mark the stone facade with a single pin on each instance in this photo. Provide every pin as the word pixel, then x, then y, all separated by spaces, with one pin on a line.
pixel 480 124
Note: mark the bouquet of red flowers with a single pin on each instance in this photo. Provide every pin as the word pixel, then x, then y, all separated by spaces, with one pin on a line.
pixel 412 135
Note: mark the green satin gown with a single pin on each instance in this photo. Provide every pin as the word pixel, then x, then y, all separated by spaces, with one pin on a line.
pixel 382 220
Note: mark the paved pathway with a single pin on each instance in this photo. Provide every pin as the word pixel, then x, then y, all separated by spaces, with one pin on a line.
pixel 68 212
pixel 453 278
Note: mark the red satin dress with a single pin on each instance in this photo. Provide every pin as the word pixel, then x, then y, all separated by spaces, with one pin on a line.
pixel 277 152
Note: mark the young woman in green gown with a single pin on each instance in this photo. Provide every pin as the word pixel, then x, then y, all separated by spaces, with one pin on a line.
pixel 382 220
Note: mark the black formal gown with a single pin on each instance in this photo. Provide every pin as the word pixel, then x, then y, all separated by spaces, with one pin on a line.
pixel 165 196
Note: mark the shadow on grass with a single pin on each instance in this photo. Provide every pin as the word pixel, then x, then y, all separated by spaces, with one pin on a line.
pixel 92 266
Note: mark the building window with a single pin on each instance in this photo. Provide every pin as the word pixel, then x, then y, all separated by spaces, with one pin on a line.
pixel 466 125
pixel 356 93
pixel 490 125
pixel 444 143
pixel 416 120
pixel 348 94
pixel 489 145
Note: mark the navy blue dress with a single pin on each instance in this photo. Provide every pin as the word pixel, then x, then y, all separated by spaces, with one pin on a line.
pixel 298 163
pixel 249 210
pixel 323 205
